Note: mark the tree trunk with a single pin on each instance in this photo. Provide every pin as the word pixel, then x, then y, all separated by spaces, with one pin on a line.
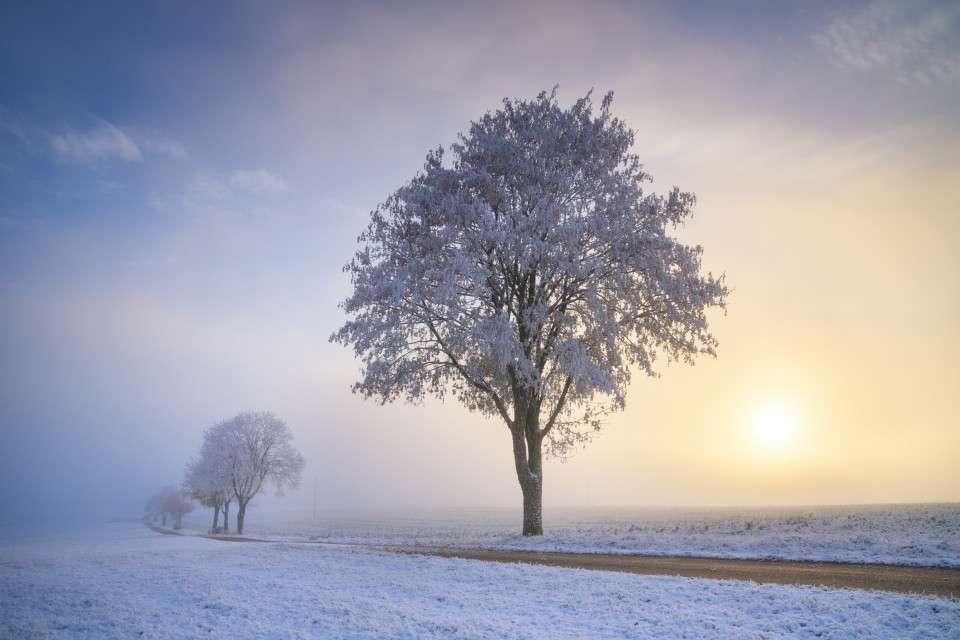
pixel 241 512
pixel 533 506
pixel 226 516
pixel 216 515
pixel 529 462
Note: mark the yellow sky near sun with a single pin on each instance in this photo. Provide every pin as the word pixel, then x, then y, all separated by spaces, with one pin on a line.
pixel 833 217
pixel 840 257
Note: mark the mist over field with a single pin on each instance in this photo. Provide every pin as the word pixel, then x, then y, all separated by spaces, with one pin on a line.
pixel 180 187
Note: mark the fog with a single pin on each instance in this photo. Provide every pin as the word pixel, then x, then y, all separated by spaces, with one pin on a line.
pixel 181 186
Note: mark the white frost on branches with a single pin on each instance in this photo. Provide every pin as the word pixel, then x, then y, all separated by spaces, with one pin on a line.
pixel 207 478
pixel 533 270
pixel 240 456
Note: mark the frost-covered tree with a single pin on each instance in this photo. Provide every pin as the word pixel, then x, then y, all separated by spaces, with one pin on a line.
pixel 207 479
pixel 257 450
pixel 177 505
pixel 528 278
pixel 156 506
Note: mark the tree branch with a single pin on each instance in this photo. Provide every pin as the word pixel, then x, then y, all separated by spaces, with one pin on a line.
pixel 477 384
pixel 561 401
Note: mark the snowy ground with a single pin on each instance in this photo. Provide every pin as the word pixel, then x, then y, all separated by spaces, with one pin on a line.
pixel 122 580
pixel 899 534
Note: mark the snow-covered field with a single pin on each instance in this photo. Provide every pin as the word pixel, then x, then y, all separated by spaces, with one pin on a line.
pixel 890 534
pixel 122 580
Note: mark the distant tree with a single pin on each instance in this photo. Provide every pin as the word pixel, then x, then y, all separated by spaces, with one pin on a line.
pixel 257 449
pixel 177 505
pixel 156 507
pixel 528 278
pixel 207 479
pixel 153 508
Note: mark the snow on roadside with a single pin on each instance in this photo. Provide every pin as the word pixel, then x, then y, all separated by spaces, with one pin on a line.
pixel 891 534
pixel 123 580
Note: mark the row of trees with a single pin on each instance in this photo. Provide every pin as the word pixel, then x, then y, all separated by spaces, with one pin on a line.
pixel 529 277
pixel 237 460
pixel 169 502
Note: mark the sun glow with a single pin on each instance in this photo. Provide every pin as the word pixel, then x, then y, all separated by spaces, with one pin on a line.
pixel 773 426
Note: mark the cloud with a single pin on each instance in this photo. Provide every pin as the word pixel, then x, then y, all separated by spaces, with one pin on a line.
pixel 258 182
pixel 782 153
pixel 916 41
pixel 155 143
pixel 214 196
pixel 104 142
pixel 344 209
pixel 397 64
pixel 206 186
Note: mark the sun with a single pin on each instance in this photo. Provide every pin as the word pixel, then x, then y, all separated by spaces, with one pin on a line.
pixel 773 426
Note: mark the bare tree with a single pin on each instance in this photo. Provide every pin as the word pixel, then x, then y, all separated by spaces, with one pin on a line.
pixel 257 449
pixel 529 279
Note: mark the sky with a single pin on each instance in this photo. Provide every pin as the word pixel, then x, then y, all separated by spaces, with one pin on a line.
pixel 181 184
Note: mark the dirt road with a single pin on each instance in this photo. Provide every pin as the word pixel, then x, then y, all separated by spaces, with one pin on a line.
pixel 879 577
